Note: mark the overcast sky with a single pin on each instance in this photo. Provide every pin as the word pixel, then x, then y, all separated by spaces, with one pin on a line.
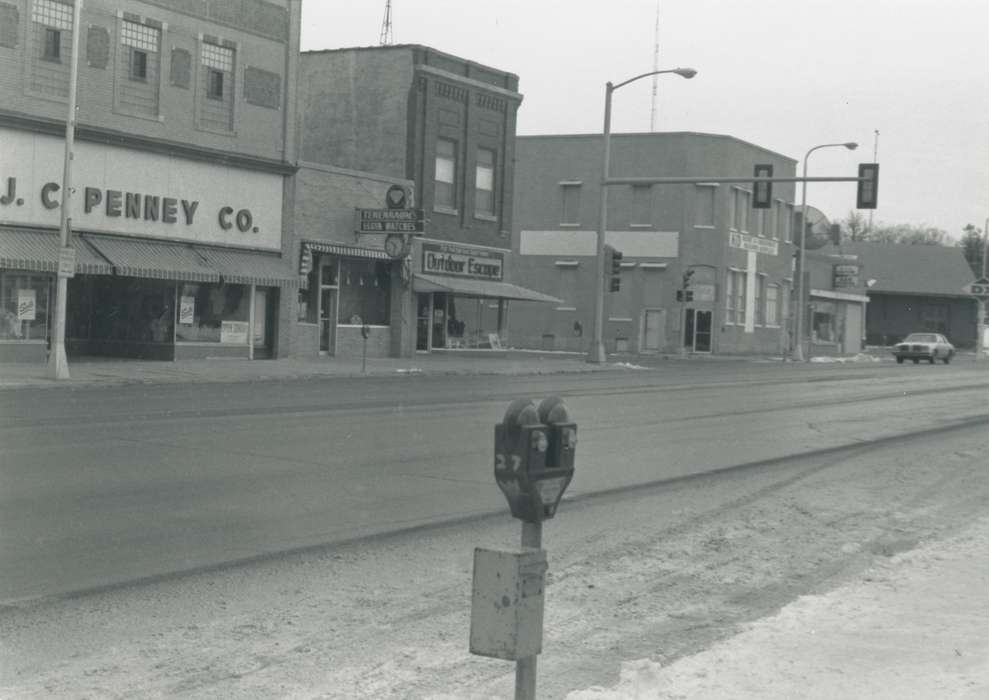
pixel 783 74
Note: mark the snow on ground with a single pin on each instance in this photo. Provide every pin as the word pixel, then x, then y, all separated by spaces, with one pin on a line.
pixel 912 627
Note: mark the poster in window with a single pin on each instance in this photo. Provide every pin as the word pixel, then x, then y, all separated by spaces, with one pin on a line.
pixel 233 332
pixel 26 304
pixel 187 310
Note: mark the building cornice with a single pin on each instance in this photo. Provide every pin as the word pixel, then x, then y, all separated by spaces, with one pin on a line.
pixel 110 137
pixel 468 82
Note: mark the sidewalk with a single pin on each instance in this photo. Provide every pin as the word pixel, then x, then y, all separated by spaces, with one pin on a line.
pixel 913 626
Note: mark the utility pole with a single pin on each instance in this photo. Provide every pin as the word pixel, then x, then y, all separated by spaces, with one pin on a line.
pixel 655 67
pixel 58 364
pixel 875 159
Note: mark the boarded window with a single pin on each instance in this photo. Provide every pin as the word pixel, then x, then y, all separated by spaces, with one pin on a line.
pixel 181 68
pixel 97 47
pixel 9 18
pixel 262 88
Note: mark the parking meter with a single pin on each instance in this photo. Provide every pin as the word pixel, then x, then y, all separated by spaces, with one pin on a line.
pixel 534 457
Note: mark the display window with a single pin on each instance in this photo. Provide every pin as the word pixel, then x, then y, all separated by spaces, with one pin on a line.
pixel 213 313
pixel 469 322
pixel 24 304
pixel 120 309
pixel 365 292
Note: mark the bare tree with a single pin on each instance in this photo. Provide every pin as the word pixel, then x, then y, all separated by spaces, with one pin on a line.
pixel 974 247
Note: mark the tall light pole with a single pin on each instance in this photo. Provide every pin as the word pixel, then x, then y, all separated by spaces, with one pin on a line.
pixel 597 353
pixel 980 341
pixel 798 331
pixel 58 365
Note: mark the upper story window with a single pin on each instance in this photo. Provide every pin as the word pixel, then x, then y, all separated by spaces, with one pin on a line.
pixel 741 206
pixel 53 19
pixel 484 177
pixel 570 209
pixel 216 103
pixel 139 41
pixel 704 205
pixel 446 174
pixel 641 214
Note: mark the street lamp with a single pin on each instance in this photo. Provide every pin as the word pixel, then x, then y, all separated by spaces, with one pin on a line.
pixel 597 353
pixel 798 332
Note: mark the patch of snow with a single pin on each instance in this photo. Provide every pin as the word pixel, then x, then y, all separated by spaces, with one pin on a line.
pixel 628 365
pixel 860 357
pixel 410 370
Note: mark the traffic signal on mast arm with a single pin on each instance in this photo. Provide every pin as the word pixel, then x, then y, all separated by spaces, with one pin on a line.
pixel 613 262
pixel 762 194
pixel 685 293
pixel 867 195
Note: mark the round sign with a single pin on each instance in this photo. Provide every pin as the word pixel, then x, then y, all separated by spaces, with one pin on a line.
pixel 395 197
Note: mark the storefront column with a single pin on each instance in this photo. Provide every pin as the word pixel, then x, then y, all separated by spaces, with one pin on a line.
pixel 501 317
pixel 250 322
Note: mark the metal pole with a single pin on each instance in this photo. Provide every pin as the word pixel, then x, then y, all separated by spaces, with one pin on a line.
pixel 58 364
pixel 980 341
pixel 798 331
pixel 985 245
pixel 597 353
pixel 525 668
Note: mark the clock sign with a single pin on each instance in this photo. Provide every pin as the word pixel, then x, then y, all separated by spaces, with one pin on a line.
pixel 396 246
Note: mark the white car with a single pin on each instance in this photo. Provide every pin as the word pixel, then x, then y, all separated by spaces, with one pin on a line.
pixel 924 346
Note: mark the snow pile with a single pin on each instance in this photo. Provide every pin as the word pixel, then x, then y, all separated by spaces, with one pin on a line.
pixel 410 370
pixel 861 357
pixel 628 365
pixel 638 679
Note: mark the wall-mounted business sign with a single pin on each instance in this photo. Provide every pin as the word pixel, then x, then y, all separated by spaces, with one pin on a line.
pixel 118 190
pixel 753 243
pixel 846 275
pixel 462 261
pixel 390 221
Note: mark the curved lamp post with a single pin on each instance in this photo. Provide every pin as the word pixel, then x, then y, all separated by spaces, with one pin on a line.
pixel 798 331
pixel 597 352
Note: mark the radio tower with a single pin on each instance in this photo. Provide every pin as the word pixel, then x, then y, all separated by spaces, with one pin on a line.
pixel 655 66
pixel 386 37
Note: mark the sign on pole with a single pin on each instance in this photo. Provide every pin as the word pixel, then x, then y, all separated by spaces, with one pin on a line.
pixel 66 262
pixel 978 289
pixel 390 221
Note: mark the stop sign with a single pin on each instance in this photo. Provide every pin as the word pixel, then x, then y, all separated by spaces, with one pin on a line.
pixel 978 289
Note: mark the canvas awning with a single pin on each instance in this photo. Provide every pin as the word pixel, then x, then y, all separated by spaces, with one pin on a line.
pixel 480 288
pixel 37 251
pixel 134 257
pixel 245 267
pixel 352 251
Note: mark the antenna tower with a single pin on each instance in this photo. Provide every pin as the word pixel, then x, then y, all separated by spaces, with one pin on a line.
pixel 386 37
pixel 655 66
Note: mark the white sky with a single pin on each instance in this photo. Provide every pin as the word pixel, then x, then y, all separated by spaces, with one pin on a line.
pixel 784 74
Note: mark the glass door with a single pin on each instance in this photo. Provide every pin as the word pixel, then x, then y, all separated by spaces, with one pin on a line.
pixel 328 306
pixel 263 322
pixel 424 303
pixel 697 330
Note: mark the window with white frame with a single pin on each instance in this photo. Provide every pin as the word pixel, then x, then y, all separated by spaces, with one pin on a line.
pixel 779 220
pixel 216 87
pixel 445 193
pixel 735 297
pixel 140 41
pixel 772 305
pixel 741 206
pixel 760 222
pixel 570 203
pixel 484 177
pixel 730 297
pixel 787 212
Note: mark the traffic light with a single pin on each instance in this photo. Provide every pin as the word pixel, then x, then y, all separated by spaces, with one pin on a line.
pixel 867 195
pixel 762 196
pixel 613 261
pixel 685 293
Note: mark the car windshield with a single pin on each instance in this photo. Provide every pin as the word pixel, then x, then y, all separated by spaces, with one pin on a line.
pixel 920 338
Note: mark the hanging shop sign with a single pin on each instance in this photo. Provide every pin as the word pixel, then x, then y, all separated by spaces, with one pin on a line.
pixel 753 243
pixel 390 221
pixel 461 261
pixel 846 276
pixel 136 193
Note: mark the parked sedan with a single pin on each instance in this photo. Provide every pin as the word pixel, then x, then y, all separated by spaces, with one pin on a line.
pixel 924 346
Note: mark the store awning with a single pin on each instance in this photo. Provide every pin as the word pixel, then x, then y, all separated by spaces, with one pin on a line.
pixel 133 257
pixel 28 249
pixel 480 288
pixel 352 251
pixel 243 267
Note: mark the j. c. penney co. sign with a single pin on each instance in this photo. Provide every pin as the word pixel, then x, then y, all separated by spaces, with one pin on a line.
pixel 130 192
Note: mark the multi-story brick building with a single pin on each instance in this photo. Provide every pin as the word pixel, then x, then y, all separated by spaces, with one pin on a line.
pixel 443 128
pixel 185 145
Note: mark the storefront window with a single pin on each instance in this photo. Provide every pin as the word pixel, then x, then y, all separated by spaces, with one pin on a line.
pixel 823 328
pixel 307 297
pixel 213 313
pixel 470 322
pixel 365 289
pixel 23 306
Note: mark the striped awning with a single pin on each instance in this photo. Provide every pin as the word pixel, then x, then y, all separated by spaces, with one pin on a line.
pixel 134 257
pixel 352 251
pixel 37 251
pixel 245 267
pixel 480 288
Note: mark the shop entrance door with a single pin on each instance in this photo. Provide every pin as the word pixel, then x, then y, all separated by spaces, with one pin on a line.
pixel 653 330
pixel 697 330
pixel 438 339
pixel 327 321
pixel 264 322
pixel 424 311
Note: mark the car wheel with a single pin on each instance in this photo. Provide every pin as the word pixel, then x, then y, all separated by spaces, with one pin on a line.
pixel 932 358
pixel 899 360
pixel 916 360
pixel 947 359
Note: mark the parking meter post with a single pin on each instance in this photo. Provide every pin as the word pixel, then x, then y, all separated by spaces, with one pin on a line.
pixel 525 668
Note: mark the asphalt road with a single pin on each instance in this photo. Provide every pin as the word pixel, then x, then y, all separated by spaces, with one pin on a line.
pixel 104 486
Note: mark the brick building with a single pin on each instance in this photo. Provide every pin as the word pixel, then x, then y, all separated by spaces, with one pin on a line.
pixel 740 258
pixel 443 129
pixel 184 146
